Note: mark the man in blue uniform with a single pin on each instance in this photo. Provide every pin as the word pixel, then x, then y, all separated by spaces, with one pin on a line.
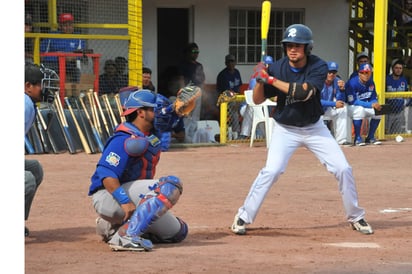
pixel 66 21
pixel 297 80
pixel 131 204
pixel 363 102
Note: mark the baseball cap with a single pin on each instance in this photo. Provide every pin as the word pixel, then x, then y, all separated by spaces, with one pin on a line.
pixel 66 17
pixel 333 66
pixel 361 54
pixel 365 68
pixel 230 57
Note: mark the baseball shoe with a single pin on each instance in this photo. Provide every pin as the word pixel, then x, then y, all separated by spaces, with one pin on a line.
pixel 127 243
pixel 362 226
pixel 359 142
pixel 238 226
pixel 373 141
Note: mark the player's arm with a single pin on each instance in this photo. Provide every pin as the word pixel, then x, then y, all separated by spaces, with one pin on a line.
pixel 112 185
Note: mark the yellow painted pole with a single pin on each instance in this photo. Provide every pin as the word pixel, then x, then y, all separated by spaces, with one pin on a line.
pixel 379 49
pixel 223 122
pixel 135 21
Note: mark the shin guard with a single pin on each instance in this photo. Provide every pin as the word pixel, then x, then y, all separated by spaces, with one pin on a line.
pixel 151 207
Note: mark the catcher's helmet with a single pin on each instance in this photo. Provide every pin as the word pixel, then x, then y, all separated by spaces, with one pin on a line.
pixel 298 34
pixel 138 99
pixel 50 84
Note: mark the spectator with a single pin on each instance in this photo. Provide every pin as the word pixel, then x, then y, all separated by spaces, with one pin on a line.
pixel 395 82
pixel 362 99
pixel 229 79
pixel 361 58
pixel 66 21
pixel 334 106
pixel 109 81
pixel 33 170
pixel 28 42
pixel 147 79
pixel 121 68
pixel 193 73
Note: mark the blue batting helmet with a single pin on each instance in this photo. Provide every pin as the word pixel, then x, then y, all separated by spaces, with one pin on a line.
pixel 138 99
pixel 298 34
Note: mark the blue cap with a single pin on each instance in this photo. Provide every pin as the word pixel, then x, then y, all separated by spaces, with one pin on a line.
pixel 268 60
pixel 365 68
pixel 333 66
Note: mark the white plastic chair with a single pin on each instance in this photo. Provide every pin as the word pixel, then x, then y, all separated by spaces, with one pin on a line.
pixel 260 115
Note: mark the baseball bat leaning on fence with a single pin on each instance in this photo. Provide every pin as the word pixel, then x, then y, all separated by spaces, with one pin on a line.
pixel 110 110
pixel 44 129
pixel 119 107
pixel 94 130
pixel 78 128
pixel 42 133
pixel 106 125
pixel 37 142
pixel 63 123
pixel 28 145
pixel 264 27
pixel 93 110
pixel 89 137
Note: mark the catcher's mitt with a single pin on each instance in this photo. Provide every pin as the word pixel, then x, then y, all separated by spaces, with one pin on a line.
pixel 186 100
pixel 226 96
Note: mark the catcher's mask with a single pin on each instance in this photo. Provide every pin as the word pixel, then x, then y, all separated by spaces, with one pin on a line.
pixel 138 99
pixel 50 84
pixel 298 34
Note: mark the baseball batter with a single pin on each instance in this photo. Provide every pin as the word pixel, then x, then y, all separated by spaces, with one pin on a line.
pixel 297 80
pixel 131 204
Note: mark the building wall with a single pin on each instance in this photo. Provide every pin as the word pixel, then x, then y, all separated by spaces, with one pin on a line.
pixel 328 22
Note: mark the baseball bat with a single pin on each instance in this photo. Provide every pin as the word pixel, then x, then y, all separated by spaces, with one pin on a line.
pixel 89 137
pixel 94 130
pixel 28 145
pixel 78 128
pixel 119 107
pixel 45 128
pixel 264 27
pixel 64 124
pixel 110 110
pixel 93 109
pixel 106 125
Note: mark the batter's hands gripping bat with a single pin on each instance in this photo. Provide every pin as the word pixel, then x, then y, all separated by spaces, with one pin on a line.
pixel 264 27
pixel 94 130
pixel 78 128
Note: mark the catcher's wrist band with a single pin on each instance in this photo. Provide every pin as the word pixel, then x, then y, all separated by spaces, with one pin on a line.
pixel 120 195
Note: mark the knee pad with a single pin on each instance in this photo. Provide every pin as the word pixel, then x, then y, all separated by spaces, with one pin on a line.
pixel 151 207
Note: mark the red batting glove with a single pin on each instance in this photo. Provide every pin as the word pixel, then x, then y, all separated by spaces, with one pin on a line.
pixel 260 66
pixel 263 77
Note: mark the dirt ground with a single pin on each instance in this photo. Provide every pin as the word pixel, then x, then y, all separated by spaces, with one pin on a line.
pixel 300 229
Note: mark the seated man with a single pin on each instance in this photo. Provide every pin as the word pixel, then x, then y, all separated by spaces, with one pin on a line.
pixel 334 106
pixel 363 102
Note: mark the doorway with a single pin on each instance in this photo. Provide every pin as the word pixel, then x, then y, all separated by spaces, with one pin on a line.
pixel 172 37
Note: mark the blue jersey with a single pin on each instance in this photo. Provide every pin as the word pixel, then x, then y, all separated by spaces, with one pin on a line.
pixel 360 94
pixel 227 80
pixel 290 112
pixel 393 85
pixel 330 94
pixel 116 162
pixel 60 45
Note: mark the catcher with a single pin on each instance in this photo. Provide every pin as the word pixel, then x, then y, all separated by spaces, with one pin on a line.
pixel 133 207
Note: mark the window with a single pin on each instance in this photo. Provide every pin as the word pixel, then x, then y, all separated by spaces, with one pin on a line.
pixel 244 32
